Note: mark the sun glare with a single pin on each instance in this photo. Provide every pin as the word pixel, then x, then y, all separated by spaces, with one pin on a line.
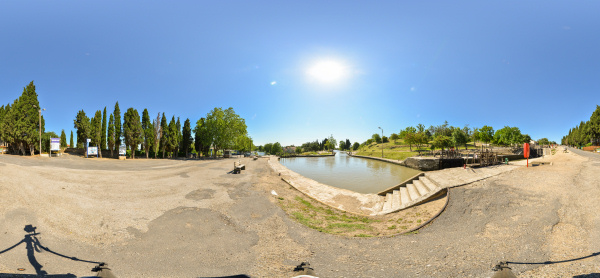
pixel 327 71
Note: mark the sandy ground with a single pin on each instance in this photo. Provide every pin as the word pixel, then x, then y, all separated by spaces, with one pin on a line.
pixel 172 218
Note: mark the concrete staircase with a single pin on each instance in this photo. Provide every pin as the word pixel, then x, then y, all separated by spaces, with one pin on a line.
pixel 412 193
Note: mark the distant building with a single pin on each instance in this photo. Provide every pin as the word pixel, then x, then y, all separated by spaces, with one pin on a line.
pixel 289 149
pixel 532 142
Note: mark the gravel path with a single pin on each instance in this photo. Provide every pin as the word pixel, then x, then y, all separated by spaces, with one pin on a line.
pixel 164 218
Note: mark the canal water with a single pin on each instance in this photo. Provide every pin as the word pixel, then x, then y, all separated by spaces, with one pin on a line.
pixel 357 174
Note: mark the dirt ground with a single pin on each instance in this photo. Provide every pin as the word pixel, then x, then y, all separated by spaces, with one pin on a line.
pixel 174 218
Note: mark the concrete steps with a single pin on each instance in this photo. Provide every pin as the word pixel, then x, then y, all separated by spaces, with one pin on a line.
pixel 411 194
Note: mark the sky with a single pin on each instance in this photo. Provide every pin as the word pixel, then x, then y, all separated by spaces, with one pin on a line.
pixel 298 71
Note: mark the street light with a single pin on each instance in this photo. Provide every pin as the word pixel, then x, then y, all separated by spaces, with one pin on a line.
pixel 381 141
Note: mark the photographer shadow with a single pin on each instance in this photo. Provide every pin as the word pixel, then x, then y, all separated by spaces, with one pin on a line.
pixel 33 245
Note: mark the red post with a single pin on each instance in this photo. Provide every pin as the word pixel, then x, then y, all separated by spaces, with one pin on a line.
pixel 526 152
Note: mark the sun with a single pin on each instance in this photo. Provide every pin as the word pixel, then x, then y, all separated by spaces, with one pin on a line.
pixel 327 71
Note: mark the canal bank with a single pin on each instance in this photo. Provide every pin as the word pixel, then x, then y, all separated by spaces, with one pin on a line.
pixel 374 204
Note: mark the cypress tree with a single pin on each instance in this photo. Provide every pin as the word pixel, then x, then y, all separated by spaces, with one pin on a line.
pixel 172 138
pixel 132 129
pixel 96 131
pixel 111 134
pixel 117 114
pixel 178 136
pixel 165 134
pixel 148 132
pixel 63 139
pixel 82 124
pixel 103 140
pixel 186 138
pixel 71 141
pixel 28 122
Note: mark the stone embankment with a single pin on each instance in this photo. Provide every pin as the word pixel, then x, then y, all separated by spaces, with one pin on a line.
pixel 402 197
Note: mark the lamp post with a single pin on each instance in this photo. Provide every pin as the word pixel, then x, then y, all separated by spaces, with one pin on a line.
pixel 381 142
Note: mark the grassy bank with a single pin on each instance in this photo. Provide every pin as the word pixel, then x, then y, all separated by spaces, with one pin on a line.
pixel 398 150
pixel 327 220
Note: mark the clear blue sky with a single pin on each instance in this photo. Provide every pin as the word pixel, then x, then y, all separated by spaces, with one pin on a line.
pixel 530 64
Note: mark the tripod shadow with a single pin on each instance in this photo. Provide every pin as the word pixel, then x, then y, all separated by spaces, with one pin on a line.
pixel 33 245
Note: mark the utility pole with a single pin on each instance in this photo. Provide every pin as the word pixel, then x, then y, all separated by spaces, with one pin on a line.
pixel 381 142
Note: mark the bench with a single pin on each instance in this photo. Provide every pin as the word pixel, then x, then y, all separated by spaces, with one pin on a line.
pixel 238 167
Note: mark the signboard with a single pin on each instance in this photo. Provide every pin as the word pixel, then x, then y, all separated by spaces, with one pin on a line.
pixel 122 150
pixel 54 144
pixel 526 150
pixel 92 151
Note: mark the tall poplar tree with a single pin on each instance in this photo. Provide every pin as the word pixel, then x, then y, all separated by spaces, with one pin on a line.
pixel 132 130
pixel 148 132
pixel 111 134
pixel 117 114
pixel 71 141
pixel 103 140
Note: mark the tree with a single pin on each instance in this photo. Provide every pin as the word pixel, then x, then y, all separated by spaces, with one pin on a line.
pixel 420 139
pixel 459 137
pixel 172 136
pixel 82 124
pixel 111 134
pixel 164 140
pixel 21 123
pixel 202 137
pixel 63 139
pixel 118 129
pixel 376 138
pixel 178 136
pixel 486 134
pixel 46 140
pixel 348 144
pixel 132 129
pixel 103 140
pixel 509 136
pixel 148 132
pixel 355 146
pixel 298 150
pixel 594 126
pixel 276 148
pixel 157 134
pixel 441 141
pixel 268 147
pixel 410 139
pixel 71 141
pixel 394 137
pixel 223 128
pixel 244 143
pixel 96 130
pixel 544 141
pixel 186 137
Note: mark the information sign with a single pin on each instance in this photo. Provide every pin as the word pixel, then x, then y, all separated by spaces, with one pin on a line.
pixel 54 144
pixel 92 151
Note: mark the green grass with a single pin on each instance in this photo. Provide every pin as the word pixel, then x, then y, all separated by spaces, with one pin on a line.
pixel 327 220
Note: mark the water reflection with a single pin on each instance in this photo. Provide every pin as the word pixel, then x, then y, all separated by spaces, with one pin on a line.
pixel 356 174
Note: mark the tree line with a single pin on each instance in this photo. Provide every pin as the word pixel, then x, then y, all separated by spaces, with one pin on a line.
pixel 447 136
pixel 220 129
pixel 585 133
